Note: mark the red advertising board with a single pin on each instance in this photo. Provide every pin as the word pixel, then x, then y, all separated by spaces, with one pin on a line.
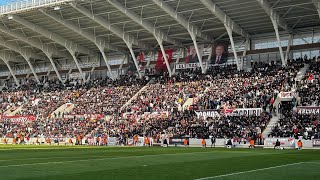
pixel 18 119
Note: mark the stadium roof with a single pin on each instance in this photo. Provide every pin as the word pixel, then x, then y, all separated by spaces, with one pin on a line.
pixel 49 23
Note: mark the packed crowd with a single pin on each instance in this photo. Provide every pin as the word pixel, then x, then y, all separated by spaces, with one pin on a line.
pixel 108 96
pixel 297 125
pixel 256 89
pixel 220 88
pixel 309 87
pixel 167 94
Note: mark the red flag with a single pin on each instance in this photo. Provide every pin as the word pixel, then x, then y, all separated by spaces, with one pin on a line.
pixel 161 65
pixel 310 77
pixel 141 57
pixel 187 58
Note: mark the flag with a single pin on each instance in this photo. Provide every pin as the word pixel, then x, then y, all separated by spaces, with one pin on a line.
pixel 310 78
pixel 161 65
pixel 187 58
pixel 141 57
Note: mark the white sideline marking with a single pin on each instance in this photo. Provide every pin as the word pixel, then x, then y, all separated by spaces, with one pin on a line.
pixel 254 170
pixel 102 159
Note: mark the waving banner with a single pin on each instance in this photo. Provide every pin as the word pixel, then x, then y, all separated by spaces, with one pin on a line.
pixel 308 109
pixel 18 119
pixel 229 112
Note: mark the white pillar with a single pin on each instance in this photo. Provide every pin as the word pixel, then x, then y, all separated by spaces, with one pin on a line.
pixel 177 61
pixel 12 73
pixel 194 39
pixel 233 47
pixel 290 41
pixel 134 60
pixel 164 56
pixel 244 53
pixel 276 29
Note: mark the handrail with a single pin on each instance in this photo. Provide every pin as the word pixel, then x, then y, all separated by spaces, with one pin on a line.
pixel 28 5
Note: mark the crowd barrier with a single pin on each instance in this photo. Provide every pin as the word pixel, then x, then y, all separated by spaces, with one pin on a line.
pixel 113 141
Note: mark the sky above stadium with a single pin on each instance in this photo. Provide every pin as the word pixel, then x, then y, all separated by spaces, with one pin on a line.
pixel 4 2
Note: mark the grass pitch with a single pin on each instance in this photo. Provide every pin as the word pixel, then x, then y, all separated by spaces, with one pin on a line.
pixel 68 163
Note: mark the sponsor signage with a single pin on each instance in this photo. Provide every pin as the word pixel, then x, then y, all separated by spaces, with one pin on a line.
pixel 18 119
pixel 308 109
pixel 316 142
pixel 229 112
pixel 188 65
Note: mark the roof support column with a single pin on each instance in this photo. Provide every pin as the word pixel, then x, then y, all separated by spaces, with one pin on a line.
pixel 229 30
pixel 53 66
pixel 134 59
pixel 209 57
pixel 127 38
pixel 27 58
pixel 104 56
pixel 245 52
pixel 177 61
pixel 158 34
pixel 317 5
pixel 160 42
pixel 73 54
pixel 69 45
pixel 193 30
pixel 290 42
pixel 194 39
pixel 121 65
pixel 6 58
pixel 276 29
pixel 152 56
pixel 48 50
pixel 122 62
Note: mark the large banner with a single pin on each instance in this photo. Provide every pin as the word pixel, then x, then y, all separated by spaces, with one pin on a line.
pixel 160 64
pixel 192 56
pixel 176 141
pixel 219 53
pixel 286 142
pixel 91 116
pixel 316 142
pixel 112 141
pixel 18 119
pixel 229 112
pixel 189 65
pixel 308 109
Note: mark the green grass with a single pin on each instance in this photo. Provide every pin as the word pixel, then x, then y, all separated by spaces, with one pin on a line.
pixel 60 162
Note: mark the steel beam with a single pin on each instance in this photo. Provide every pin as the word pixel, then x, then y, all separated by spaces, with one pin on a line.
pixel 273 15
pixel 317 5
pixel 100 42
pixel 27 54
pixel 229 30
pixel 128 38
pixel 159 35
pixel 177 60
pixel 276 22
pixel 7 57
pixel 18 49
pixel 193 30
pixel 276 29
pixel 68 44
pixel 182 20
pixel 224 18
pixel 146 25
pixel 34 42
pixel 290 43
pixel 246 48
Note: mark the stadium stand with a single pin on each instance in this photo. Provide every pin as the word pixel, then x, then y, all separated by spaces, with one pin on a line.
pixel 119 86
